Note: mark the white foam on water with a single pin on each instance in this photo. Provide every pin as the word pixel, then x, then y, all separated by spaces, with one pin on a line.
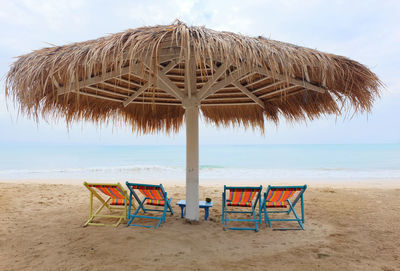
pixel 158 172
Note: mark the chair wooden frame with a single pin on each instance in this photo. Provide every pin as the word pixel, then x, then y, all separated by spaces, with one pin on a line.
pixel 291 205
pixel 133 196
pixel 106 203
pixel 253 212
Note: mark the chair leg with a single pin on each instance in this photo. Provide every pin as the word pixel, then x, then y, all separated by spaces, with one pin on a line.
pixel 226 216
pixel 119 222
pixel 297 217
pixel 91 204
pixel 126 211
pixel 159 223
pixel 132 217
pixel 170 207
pixel 130 221
pixel 95 213
pixel 165 212
pixel 90 210
pixel 302 209
pixel 223 211
pixel 267 217
pixel 87 222
pixel 162 218
pixel 255 221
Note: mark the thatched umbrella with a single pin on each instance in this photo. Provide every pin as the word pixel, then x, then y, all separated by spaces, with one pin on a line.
pixel 151 77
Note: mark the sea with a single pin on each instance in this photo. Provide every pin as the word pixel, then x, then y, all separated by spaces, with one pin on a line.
pixel 236 162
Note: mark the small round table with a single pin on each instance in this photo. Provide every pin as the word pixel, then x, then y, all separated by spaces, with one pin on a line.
pixel 202 204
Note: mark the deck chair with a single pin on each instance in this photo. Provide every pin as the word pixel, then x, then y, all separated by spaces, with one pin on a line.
pixel 241 196
pixel 279 197
pixel 114 198
pixel 153 195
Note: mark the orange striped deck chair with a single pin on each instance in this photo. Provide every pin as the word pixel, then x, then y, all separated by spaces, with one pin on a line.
pixel 111 196
pixel 278 197
pixel 241 196
pixel 152 195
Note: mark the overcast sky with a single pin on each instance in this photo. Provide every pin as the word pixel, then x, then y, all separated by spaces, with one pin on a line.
pixel 366 31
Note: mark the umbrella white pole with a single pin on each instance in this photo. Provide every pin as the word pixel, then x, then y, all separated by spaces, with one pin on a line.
pixel 192 162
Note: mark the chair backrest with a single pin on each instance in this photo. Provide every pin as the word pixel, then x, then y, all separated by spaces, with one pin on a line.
pixel 242 194
pixel 151 191
pixel 282 193
pixel 115 191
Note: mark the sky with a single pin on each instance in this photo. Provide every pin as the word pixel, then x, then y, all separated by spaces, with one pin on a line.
pixel 366 31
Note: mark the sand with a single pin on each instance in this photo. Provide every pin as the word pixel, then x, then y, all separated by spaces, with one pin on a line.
pixel 347 228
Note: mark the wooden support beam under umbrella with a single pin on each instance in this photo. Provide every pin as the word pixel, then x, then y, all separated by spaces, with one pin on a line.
pixel 152 77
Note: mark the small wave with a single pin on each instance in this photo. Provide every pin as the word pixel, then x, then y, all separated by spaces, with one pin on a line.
pixel 160 172
pixel 333 169
pixel 92 169
pixel 210 167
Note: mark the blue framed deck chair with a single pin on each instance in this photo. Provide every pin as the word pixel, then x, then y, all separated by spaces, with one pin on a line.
pixel 241 196
pixel 114 198
pixel 279 197
pixel 154 195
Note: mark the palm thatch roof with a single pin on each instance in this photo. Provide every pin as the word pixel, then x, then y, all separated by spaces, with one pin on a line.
pixel 146 76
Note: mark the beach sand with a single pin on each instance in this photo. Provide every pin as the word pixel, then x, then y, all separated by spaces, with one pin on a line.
pixel 347 228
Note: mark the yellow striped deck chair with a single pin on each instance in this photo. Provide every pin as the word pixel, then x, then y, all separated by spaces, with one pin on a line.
pixel 279 197
pixel 111 196
pixel 240 196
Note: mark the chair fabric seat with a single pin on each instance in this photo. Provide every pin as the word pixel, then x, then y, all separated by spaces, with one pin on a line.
pixel 241 197
pixel 154 193
pixel 239 203
pixel 155 202
pixel 118 201
pixel 272 204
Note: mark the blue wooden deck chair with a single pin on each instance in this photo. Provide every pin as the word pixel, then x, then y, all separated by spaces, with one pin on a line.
pixel 153 195
pixel 279 197
pixel 241 196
